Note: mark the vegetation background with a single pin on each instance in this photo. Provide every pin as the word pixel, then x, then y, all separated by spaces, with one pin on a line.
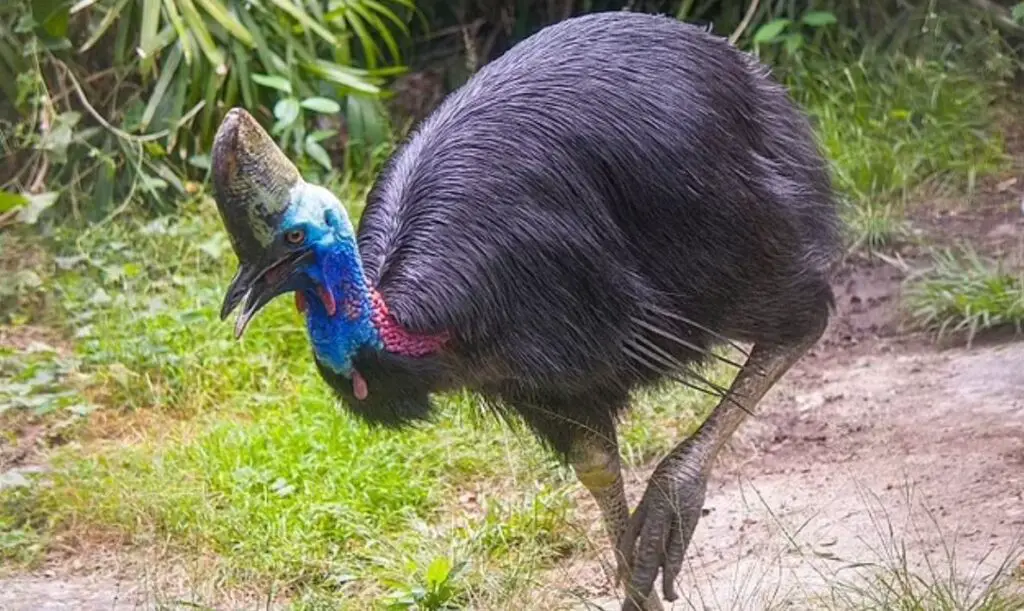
pixel 129 418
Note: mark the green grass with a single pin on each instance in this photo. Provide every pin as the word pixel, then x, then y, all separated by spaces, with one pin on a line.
pixel 963 293
pixel 895 126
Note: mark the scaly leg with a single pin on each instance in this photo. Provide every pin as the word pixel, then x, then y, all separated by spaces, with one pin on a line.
pixel 660 529
pixel 596 462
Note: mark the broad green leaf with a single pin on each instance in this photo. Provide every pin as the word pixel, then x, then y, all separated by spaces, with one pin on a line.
pixel 1018 12
pixel 438 571
pixel 321 105
pixel 817 19
pixel 322 134
pixel 37 204
pixel 287 111
pixel 770 31
pixel 9 201
pixel 273 81
pixel 52 16
pixel 317 153
pixel 220 13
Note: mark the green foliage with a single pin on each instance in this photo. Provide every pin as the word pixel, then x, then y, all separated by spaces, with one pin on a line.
pixel 964 294
pixel 438 592
pixel 893 125
pixel 112 100
pixel 792 34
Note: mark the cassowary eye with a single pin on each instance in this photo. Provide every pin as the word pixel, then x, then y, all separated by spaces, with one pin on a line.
pixel 295 236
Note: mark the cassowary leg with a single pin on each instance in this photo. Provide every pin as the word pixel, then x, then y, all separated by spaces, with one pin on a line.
pixel 660 529
pixel 596 462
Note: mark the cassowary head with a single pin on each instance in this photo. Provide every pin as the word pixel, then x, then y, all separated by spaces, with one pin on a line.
pixel 289 236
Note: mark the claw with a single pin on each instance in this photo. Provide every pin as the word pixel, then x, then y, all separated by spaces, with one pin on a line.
pixel 659 532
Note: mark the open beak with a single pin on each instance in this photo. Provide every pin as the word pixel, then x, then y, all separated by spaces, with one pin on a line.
pixel 255 286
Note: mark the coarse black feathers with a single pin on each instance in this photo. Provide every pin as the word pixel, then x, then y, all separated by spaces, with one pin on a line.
pixel 593 211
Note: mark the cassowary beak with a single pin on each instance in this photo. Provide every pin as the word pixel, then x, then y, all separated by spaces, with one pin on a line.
pixel 253 182
pixel 255 286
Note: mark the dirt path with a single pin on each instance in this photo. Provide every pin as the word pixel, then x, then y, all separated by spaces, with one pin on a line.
pixel 870 451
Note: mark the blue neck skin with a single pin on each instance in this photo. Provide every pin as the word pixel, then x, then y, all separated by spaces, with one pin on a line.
pixel 339 270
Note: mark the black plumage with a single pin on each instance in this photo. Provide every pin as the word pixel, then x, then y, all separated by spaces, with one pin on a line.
pixel 594 211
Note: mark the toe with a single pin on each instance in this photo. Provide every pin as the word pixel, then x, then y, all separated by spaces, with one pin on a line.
pixel 650 554
pixel 625 551
pixel 675 551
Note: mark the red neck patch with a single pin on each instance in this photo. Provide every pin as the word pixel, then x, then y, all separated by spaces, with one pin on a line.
pixel 396 339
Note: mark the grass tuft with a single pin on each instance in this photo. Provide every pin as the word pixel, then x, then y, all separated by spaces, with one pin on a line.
pixel 964 294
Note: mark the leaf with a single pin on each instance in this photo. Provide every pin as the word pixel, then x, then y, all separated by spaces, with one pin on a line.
pixel 770 31
pixel 317 153
pixel 200 161
pixel 817 19
pixel 274 82
pixel 365 121
pixel 149 25
pixel 37 204
pixel 437 572
pixel 300 15
pixel 227 21
pixel 52 16
pixel 108 20
pixel 1018 12
pixel 167 72
pixel 794 42
pixel 10 201
pixel 342 75
pixel 179 26
pixel 60 135
pixel 321 105
pixel 287 111
pixel 210 49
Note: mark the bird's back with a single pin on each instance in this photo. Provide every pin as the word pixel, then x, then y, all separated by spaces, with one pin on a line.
pixel 613 177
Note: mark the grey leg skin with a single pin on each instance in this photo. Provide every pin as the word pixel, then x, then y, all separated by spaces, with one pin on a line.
pixel 660 529
pixel 598 467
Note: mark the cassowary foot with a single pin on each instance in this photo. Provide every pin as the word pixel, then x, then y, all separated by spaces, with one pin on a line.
pixel 660 529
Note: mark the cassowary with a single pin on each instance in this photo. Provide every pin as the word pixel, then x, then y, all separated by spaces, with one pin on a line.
pixel 592 212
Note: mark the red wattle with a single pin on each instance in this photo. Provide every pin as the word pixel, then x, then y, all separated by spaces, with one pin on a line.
pixel 397 340
pixel 359 388
pixel 327 298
